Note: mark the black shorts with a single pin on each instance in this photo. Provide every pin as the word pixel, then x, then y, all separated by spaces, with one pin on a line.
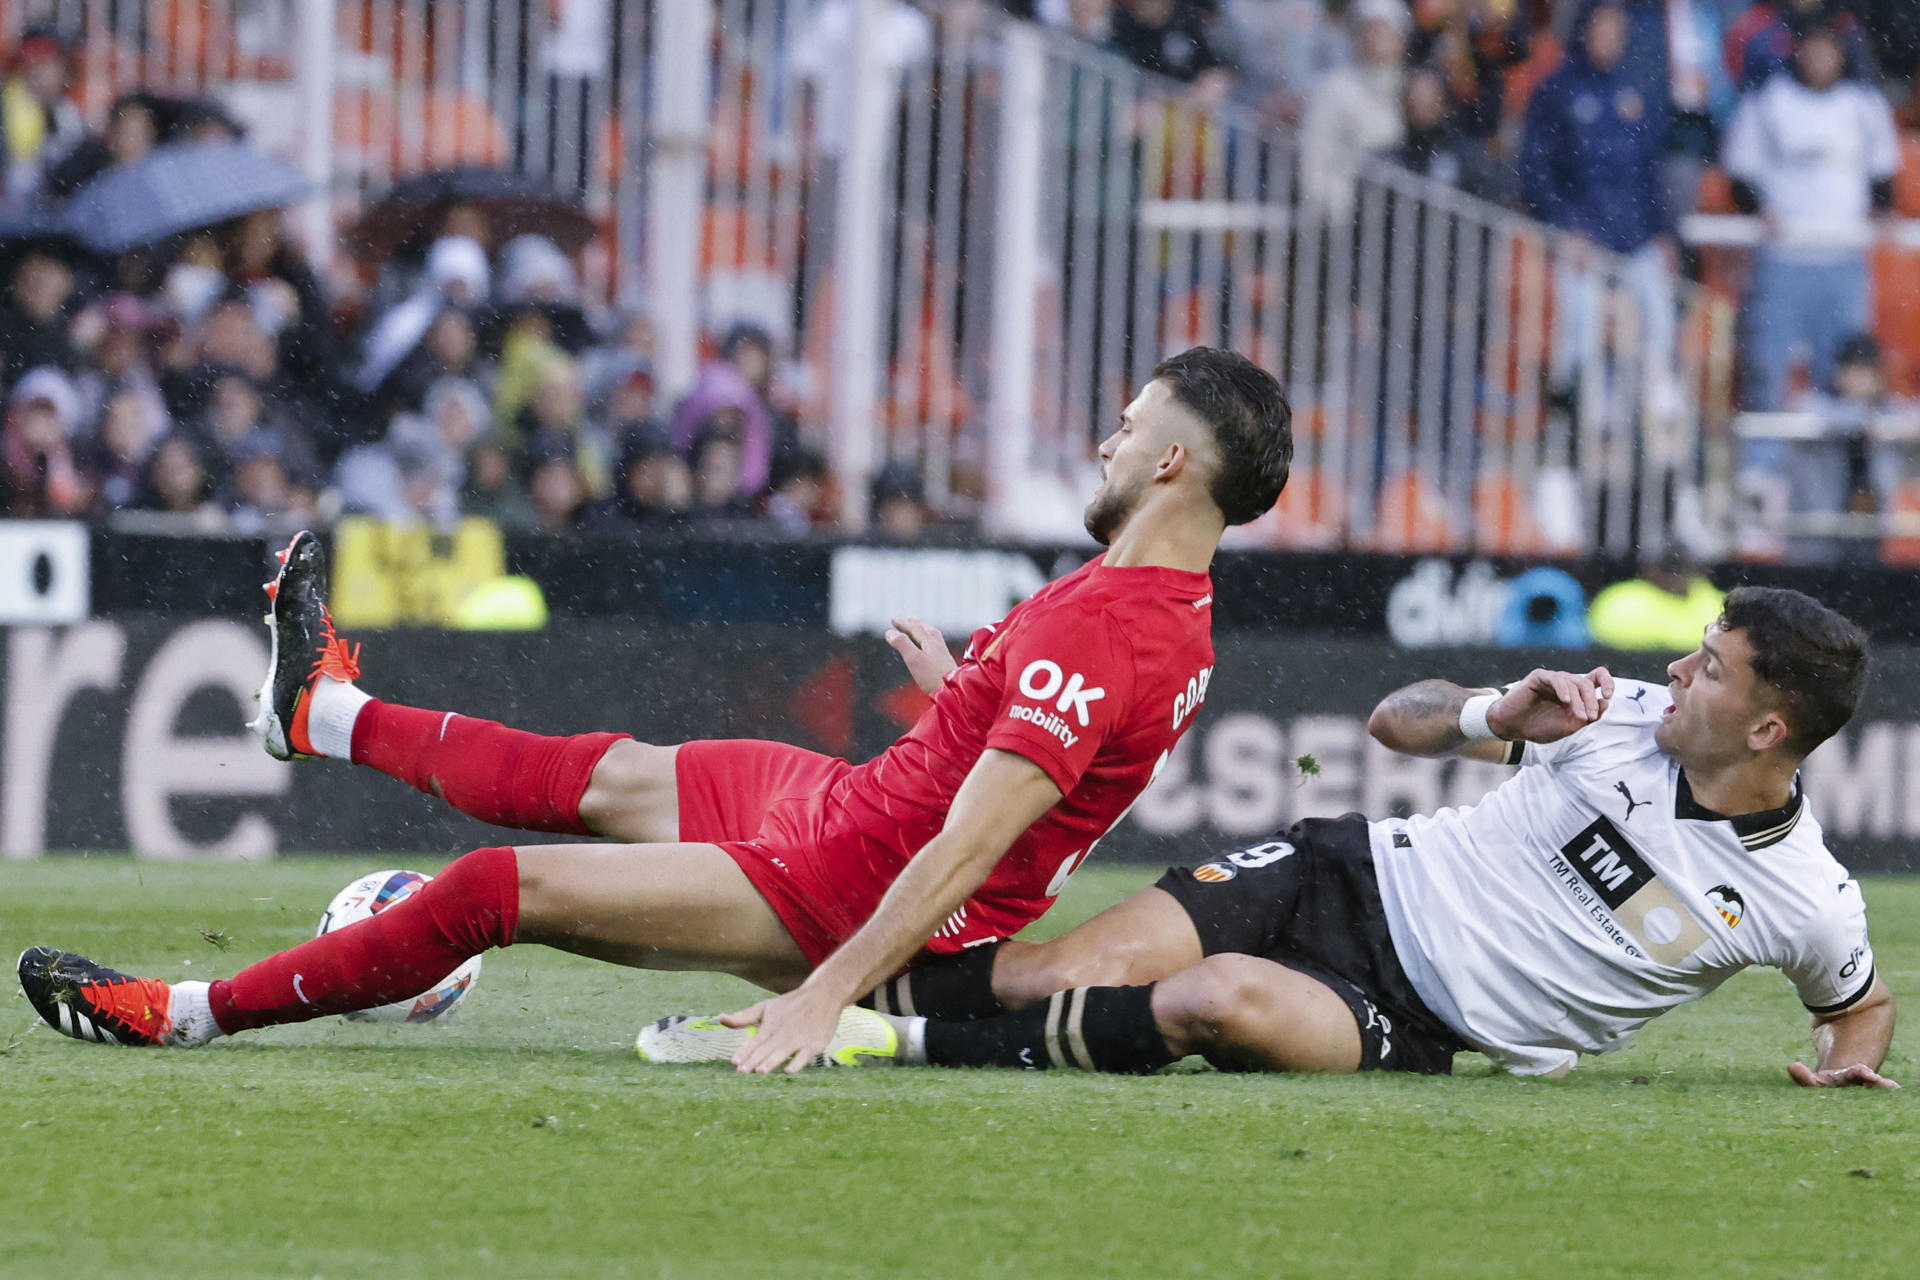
pixel 1308 899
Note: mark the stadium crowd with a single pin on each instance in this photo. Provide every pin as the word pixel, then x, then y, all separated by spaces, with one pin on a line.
pixel 217 380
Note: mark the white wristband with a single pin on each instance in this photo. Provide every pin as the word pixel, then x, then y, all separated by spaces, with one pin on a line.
pixel 1473 718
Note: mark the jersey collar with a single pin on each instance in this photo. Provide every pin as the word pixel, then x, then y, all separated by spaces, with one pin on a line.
pixel 1755 830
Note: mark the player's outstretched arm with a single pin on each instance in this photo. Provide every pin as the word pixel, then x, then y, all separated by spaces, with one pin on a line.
pixel 1002 796
pixel 1425 719
pixel 1852 1045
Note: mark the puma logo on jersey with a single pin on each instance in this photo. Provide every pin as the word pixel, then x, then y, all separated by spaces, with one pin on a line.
pixel 1637 698
pixel 1043 679
pixel 1632 804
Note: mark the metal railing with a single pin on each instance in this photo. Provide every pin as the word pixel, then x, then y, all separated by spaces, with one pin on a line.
pixel 976 238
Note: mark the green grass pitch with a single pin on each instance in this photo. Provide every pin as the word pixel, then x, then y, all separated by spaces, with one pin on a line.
pixel 526 1139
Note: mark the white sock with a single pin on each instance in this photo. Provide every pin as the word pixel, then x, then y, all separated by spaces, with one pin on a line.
pixel 336 705
pixel 191 1013
pixel 913 1038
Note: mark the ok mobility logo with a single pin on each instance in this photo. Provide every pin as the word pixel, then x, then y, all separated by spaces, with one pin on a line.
pixel 1624 896
pixel 1044 681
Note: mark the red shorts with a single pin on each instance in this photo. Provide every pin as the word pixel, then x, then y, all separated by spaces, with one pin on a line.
pixel 766 804
pixel 763 803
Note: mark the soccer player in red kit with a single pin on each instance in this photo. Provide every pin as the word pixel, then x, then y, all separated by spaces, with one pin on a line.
pixel 806 874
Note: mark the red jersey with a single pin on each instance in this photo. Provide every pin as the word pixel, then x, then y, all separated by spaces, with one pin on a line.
pixel 1093 679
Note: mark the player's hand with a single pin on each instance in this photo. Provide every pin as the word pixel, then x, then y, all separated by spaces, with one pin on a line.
pixel 1549 705
pixel 1859 1075
pixel 924 650
pixel 794 1030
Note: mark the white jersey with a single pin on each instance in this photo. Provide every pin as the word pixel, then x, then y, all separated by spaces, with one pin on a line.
pixel 1590 893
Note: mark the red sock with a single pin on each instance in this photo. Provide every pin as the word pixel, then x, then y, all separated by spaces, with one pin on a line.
pixel 499 775
pixel 473 905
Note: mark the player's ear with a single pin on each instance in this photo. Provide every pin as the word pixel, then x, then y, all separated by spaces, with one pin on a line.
pixel 1768 732
pixel 1172 461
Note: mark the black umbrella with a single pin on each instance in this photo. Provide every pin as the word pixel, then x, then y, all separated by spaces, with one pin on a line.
pixel 179 188
pixel 516 205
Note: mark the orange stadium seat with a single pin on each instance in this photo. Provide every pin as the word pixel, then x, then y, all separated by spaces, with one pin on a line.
pixel 1503 519
pixel 1906 183
pixel 424 131
pixel 1311 513
pixel 1411 517
pixel 1896 314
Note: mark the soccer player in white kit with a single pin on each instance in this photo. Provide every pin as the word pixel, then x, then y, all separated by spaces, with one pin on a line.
pixel 1654 842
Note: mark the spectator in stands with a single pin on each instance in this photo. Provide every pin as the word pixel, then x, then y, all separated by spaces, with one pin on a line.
pixel 39 123
pixel 428 490
pixel 268 490
pixel 115 454
pixel 178 483
pixel 1281 49
pixel 1667 608
pixel 457 275
pixel 1473 43
pixel 1173 38
pixel 798 492
pixel 1434 146
pixel 34 319
pixel 718 459
pixel 555 488
pixel 738 381
pixel 558 407
pixel 195 279
pixel 898 510
pixel 1592 164
pixel 627 347
pixel 628 405
pixel 1766 34
pixel 38 472
pixel 270 272
pixel 491 491
pixel 450 350
pixel 1355 111
pixel 132 131
pixel 653 487
pixel 114 340
pixel 1815 154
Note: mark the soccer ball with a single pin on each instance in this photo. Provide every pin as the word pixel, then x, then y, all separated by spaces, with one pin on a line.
pixel 369 896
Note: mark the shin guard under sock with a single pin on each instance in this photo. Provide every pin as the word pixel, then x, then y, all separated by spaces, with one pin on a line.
pixel 504 776
pixel 1088 1028
pixel 473 905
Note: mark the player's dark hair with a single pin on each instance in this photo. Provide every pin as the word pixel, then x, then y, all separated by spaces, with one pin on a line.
pixel 1813 659
pixel 1252 426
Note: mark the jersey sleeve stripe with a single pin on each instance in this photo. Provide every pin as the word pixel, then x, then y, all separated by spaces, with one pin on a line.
pixel 1850 1001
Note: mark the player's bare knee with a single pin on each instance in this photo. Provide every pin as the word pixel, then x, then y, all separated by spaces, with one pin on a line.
pixel 632 792
pixel 1209 1006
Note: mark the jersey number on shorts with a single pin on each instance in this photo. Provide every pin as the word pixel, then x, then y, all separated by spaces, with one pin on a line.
pixel 1261 854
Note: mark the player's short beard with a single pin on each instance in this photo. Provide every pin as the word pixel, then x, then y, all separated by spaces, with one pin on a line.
pixel 1110 509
